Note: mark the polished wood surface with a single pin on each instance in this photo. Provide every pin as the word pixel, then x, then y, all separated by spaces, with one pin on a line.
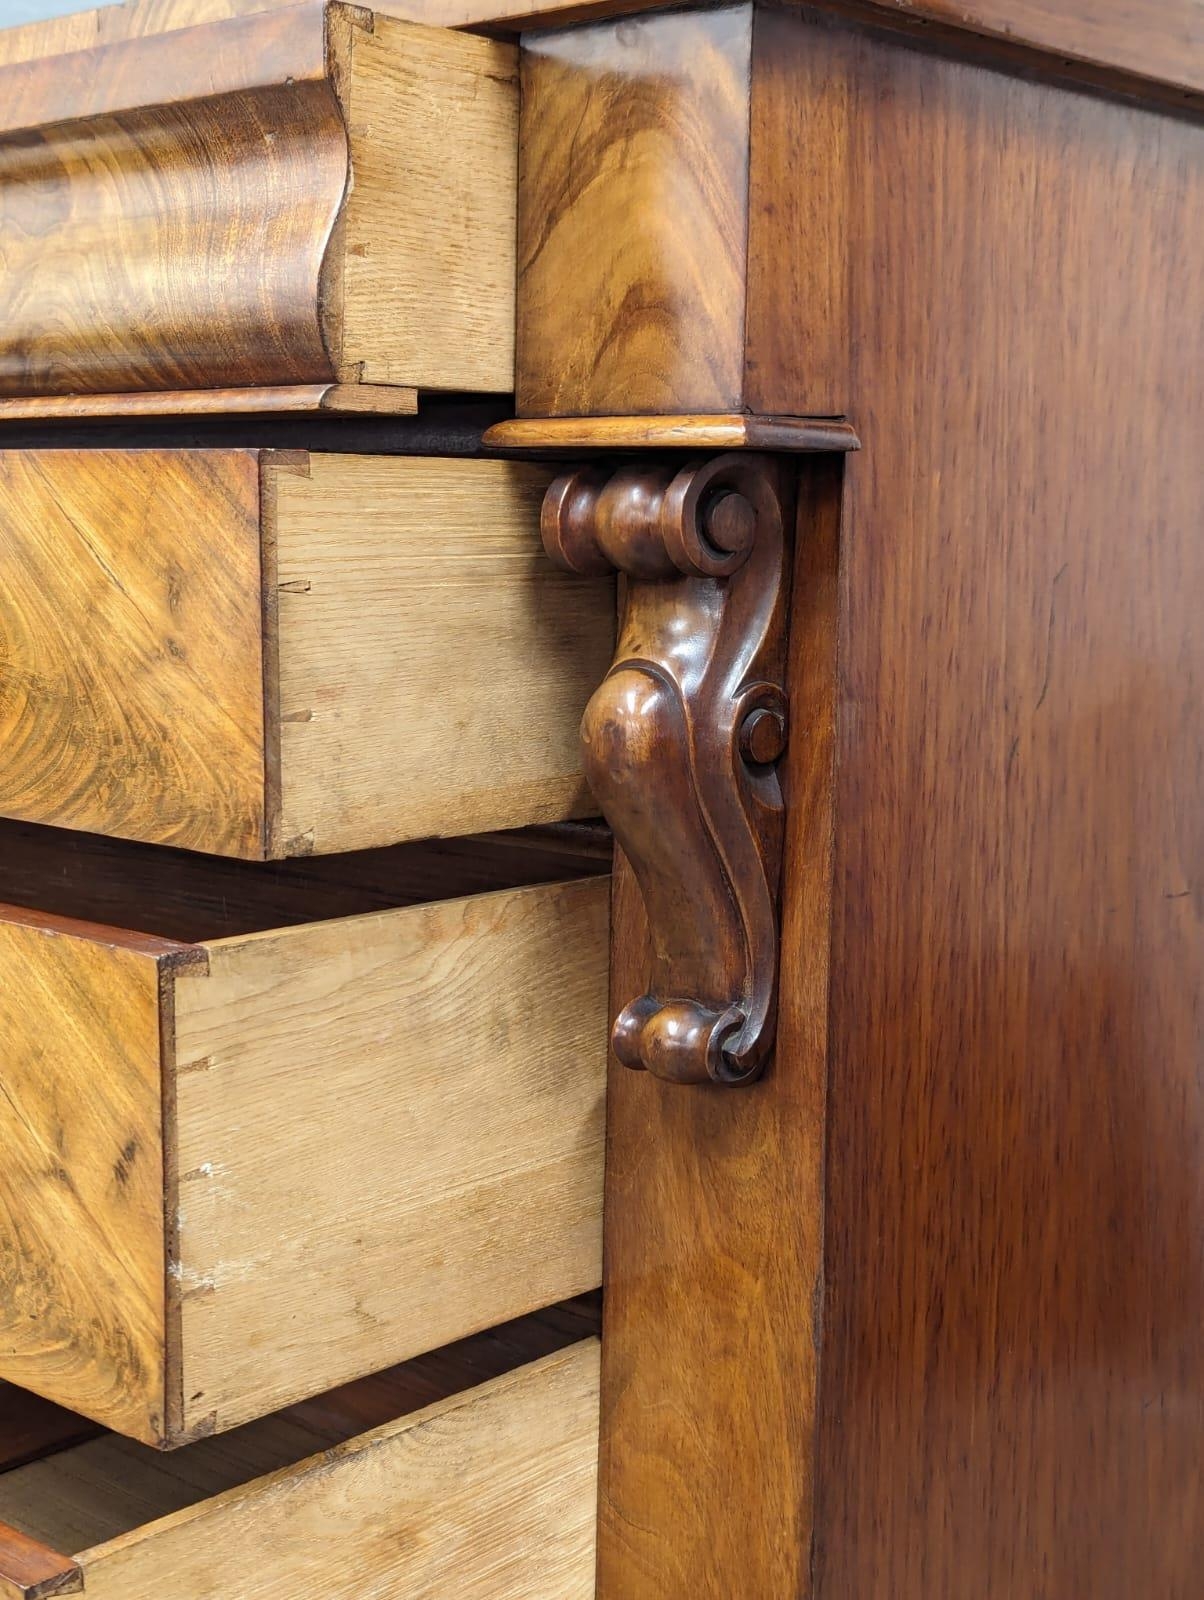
pixel 91 221
pixel 131 696
pixel 1014 1377
pixel 489 1494
pixel 266 685
pixel 651 206
pixel 714 1218
pixel 140 253
pixel 81 1192
pixel 681 738
pixel 364 399
pixel 1123 42
pixel 736 431
pixel 30 1570
pixel 1011 1380
pixel 259 1189
pixel 632 233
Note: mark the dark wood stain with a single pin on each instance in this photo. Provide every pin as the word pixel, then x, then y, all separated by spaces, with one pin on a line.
pixel 992 277
pixel 1013 1394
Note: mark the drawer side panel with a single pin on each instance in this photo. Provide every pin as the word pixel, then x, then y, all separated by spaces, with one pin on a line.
pixel 434 664
pixel 431 217
pixel 491 1495
pixel 391 1136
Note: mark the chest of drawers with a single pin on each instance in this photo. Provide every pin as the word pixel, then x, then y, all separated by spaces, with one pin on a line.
pixel 854 348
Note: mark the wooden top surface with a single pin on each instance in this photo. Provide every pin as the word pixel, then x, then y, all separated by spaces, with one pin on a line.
pixel 734 431
pixel 1158 40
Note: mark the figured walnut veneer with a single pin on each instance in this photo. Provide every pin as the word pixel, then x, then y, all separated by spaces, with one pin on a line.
pixel 311 197
pixel 239 651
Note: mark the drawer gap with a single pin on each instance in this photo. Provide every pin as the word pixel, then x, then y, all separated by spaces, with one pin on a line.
pixel 90 1492
pixel 178 894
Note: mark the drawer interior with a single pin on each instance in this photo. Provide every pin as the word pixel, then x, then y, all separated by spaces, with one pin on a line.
pixel 80 1498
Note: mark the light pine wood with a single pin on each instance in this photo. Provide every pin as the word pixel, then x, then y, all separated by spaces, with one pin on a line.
pixel 343 652
pixel 131 678
pixel 406 1110
pixel 487 1495
pixel 139 255
pixel 81 1189
pixel 433 123
pixel 433 665
pixel 246 1170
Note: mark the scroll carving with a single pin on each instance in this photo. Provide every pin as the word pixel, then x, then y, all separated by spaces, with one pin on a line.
pixel 682 739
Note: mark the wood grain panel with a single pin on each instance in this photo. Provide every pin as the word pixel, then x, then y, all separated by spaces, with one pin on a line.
pixel 156 728
pixel 632 230
pixel 266 51
pixel 432 664
pixel 1162 43
pixel 429 283
pixel 714 1219
pixel 160 217
pixel 81 1189
pixel 490 1494
pixel 390 1134
pixel 1014 1383
pixel 316 198
pixel 1046 936
pixel 363 399
pixel 107 1487
pixel 241 1172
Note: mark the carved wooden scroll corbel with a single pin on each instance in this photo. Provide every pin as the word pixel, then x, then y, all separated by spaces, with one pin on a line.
pixel 682 738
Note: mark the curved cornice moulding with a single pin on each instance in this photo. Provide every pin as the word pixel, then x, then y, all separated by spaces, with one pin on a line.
pixel 280 217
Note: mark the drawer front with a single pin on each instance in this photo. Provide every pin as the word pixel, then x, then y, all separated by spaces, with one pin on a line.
pixel 243 1170
pixel 488 1495
pixel 273 203
pixel 258 655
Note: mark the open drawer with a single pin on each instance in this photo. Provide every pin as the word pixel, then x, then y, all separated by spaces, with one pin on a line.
pixel 255 1146
pixel 308 208
pixel 267 654
pixel 488 1493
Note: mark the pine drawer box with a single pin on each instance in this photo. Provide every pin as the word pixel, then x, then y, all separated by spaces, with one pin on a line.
pixel 241 1169
pixel 488 1494
pixel 266 655
pixel 307 208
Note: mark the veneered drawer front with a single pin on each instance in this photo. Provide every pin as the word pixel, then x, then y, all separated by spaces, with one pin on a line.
pixel 239 1170
pixel 288 210
pixel 261 655
pixel 488 1494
